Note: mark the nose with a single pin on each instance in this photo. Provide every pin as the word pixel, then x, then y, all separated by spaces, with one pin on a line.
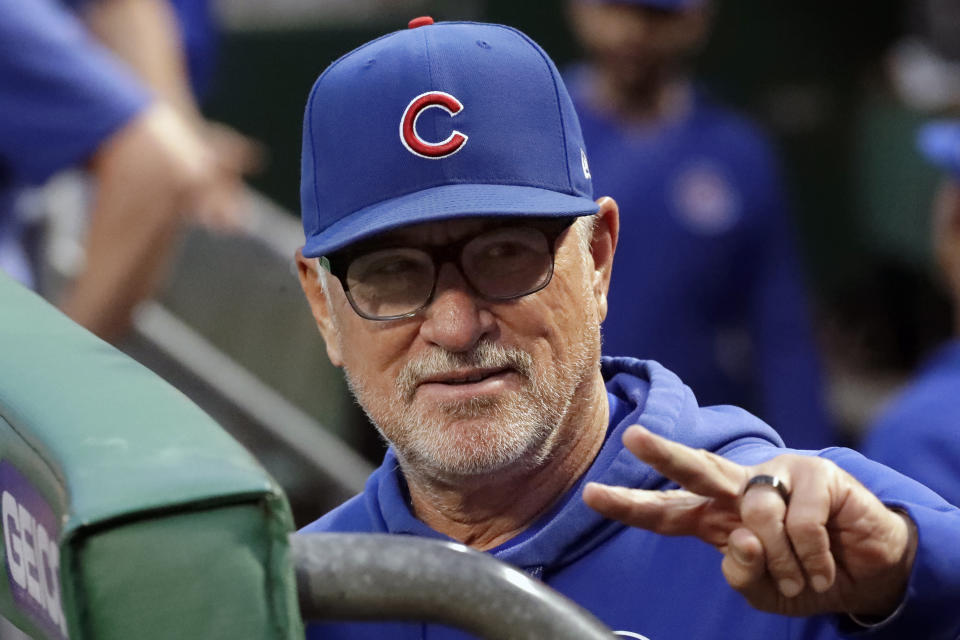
pixel 456 318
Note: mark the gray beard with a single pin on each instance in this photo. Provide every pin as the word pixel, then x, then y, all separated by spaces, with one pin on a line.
pixel 481 435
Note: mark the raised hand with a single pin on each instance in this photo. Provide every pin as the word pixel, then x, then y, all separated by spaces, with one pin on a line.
pixel 831 546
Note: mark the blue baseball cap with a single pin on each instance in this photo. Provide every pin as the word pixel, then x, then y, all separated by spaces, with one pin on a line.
pixel 940 143
pixel 441 121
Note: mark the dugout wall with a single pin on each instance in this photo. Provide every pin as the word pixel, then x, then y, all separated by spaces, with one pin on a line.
pixel 118 494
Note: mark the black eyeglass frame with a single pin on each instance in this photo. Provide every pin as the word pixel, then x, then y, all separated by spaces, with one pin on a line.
pixel 338 263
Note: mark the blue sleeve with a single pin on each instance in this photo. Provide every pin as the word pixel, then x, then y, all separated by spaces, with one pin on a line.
pixel 201 40
pixel 61 94
pixel 199 34
pixel 930 608
pixel 786 357
pixel 921 439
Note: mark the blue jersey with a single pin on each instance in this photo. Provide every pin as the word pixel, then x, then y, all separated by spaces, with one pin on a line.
pixel 706 277
pixel 199 38
pixel 61 96
pixel 660 587
pixel 919 432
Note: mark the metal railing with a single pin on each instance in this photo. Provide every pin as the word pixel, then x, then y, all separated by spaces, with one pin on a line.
pixel 404 578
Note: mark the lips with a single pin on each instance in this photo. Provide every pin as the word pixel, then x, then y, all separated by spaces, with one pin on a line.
pixel 464 377
pixel 487 369
pixel 465 385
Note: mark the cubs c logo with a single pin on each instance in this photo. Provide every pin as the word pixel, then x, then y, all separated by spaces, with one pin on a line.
pixel 408 126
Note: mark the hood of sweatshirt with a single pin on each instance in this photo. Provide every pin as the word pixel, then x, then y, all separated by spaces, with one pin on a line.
pixel 639 392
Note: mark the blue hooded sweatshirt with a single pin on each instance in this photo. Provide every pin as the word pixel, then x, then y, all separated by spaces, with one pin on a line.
pixel 918 434
pixel 658 587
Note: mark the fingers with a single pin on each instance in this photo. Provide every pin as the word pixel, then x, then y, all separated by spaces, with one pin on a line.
pixel 763 512
pixel 744 563
pixel 788 544
pixel 660 511
pixel 806 525
pixel 696 470
pixel 671 513
pixel 235 151
pixel 745 569
pixel 794 536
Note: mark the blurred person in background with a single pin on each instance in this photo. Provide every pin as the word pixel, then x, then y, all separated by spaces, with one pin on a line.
pixel 919 432
pixel 709 282
pixel 66 101
pixel 892 314
pixel 171 45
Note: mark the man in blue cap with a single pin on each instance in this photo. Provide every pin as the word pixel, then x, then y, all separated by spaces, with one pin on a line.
pixel 708 281
pixel 457 267
pixel 919 432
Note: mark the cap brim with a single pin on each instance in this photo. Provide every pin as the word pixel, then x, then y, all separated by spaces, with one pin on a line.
pixel 446 203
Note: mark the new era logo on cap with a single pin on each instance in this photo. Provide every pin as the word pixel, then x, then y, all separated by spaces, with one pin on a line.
pixel 485 126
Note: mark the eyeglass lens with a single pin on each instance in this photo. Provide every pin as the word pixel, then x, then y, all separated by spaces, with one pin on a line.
pixel 502 263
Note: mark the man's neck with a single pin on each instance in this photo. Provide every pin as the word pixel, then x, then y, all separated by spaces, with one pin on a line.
pixel 666 99
pixel 485 511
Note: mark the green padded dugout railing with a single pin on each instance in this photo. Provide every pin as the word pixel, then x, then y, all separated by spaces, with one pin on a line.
pixel 126 511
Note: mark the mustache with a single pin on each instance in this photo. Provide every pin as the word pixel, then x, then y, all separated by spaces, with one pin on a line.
pixel 486 355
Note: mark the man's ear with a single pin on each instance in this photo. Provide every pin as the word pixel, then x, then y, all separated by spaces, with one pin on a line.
pixel 319 305
pixel 603 244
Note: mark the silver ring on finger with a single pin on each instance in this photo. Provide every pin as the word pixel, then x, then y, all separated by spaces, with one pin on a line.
pixel 769 481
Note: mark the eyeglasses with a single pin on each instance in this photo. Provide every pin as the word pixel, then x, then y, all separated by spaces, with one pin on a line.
pixel 502 263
